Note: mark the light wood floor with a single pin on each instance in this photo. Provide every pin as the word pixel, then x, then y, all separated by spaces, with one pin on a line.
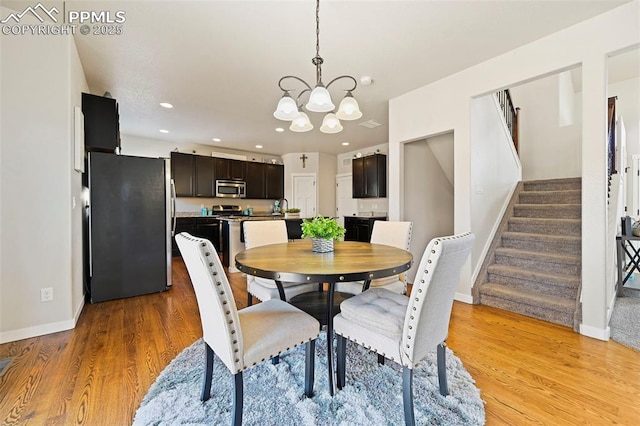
pixel 528 371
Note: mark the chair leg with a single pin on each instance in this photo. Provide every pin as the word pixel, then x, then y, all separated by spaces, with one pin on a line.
pixel 442 369
pixel 407 396
pixel 237 399
pixel 249 299
pixel 309 367
pixel 208 373
pixel 341 360
pixel 380 359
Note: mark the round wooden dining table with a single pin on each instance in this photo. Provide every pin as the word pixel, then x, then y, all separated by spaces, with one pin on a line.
pixel 349 261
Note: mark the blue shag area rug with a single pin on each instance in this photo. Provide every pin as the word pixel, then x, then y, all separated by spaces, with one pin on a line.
pixel 274 394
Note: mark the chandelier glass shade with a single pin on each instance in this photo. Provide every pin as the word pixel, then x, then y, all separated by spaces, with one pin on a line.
pixel 319 100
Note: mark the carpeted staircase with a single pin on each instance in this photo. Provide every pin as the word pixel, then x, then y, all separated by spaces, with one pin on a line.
pixel 534 264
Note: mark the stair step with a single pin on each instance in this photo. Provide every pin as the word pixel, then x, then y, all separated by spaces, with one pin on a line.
pixel 557 310
pixel 551 226
pixel 545 262
pixel 553 184
pixel 560 285
pixel 573 196
pixel 560 211
pixel 559 244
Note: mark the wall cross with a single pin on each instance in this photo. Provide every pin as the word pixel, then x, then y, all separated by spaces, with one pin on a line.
pixel 304 160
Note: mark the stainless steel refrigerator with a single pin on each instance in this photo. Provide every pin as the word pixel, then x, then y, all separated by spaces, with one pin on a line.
pixel 129 217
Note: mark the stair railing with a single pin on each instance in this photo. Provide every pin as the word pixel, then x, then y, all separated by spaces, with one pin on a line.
pixel 510 113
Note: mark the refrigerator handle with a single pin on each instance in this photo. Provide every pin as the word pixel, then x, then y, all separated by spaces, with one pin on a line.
pixel 90 243
pixel 173 208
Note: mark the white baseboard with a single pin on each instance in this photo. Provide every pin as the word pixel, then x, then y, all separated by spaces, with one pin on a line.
pixel 76 315
pixel 595 332
pixel 41 330
pixel 38 330
pixel 465 298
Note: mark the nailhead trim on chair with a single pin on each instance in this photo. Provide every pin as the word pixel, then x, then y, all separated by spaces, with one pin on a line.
pixel 236 349
pixel 374 350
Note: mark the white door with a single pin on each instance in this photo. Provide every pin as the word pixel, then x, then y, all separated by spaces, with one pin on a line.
pixel 345 204
pixel 304 194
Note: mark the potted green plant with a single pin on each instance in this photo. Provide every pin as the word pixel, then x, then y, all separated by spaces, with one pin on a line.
pixel 292 213
pixel 323 231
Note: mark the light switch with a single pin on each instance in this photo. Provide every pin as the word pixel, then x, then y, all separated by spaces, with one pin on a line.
pixel 479 189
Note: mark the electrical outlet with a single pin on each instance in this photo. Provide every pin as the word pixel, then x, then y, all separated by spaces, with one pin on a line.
pixel 46 294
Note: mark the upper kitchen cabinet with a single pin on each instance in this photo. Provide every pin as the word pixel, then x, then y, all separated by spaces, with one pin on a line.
pixel 226 168
pixel 274 181
pixel 101 123
pixel 369 176
pixel 182 172
pixel 205 179
pixel 256 187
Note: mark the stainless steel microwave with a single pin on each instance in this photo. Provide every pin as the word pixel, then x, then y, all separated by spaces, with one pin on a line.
pixel 230 188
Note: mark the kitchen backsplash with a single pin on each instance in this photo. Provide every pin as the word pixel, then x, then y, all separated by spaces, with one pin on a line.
pixel 184 204
pixel 366 205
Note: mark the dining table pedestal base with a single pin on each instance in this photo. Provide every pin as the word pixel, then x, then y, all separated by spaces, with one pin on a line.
pixel 315 303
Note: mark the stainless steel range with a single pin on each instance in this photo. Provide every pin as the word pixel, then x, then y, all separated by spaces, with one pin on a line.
pixel 226 210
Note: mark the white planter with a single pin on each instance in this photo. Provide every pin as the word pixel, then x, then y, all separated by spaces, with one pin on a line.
pixel 321 245
pixel 291 215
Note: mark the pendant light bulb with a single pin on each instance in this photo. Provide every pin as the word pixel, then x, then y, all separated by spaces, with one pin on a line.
pixel 301 123
pixel 320 100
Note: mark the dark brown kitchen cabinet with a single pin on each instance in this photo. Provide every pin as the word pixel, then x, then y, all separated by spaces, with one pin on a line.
pixel 369 176
pixel 255 180
pixel 359 228
pixel 182 172
pixel 203 227
pixel 209 228
pixel 226 168
pixel 183 224
pixel 274 181
pixel 101 123
pixel 205 179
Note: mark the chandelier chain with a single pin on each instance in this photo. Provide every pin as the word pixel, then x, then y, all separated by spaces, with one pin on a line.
pixel 317 61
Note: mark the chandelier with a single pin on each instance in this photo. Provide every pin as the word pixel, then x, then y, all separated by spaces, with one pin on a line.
pixel 319 100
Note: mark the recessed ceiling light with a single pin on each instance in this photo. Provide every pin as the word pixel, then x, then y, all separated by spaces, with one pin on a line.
pixel 259 146
pixel 217 139
pixel 279 129
pixel 345 143
pixel 164 131
pixel 166 105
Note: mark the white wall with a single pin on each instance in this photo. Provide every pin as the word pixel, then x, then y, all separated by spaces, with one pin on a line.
pixel 327 185
pixel 78 84
pixel 547 149
pixel 495 172
pixel 445 105
pixel 430 206
pixel 41 80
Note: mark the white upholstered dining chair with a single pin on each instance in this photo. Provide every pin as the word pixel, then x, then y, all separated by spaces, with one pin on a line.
pixel 404 329
pixel 396 234
pixel 259 233
pixel 241 338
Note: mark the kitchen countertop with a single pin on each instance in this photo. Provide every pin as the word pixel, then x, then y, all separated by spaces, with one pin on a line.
pixel 238 218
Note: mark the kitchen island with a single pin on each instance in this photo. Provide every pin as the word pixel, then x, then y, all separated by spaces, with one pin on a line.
pixel 233 238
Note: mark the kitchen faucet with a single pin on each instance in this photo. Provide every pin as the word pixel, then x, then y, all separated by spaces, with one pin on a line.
pixel 282 208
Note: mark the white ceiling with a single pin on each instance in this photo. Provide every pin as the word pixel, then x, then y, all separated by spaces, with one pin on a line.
pixel 219 62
